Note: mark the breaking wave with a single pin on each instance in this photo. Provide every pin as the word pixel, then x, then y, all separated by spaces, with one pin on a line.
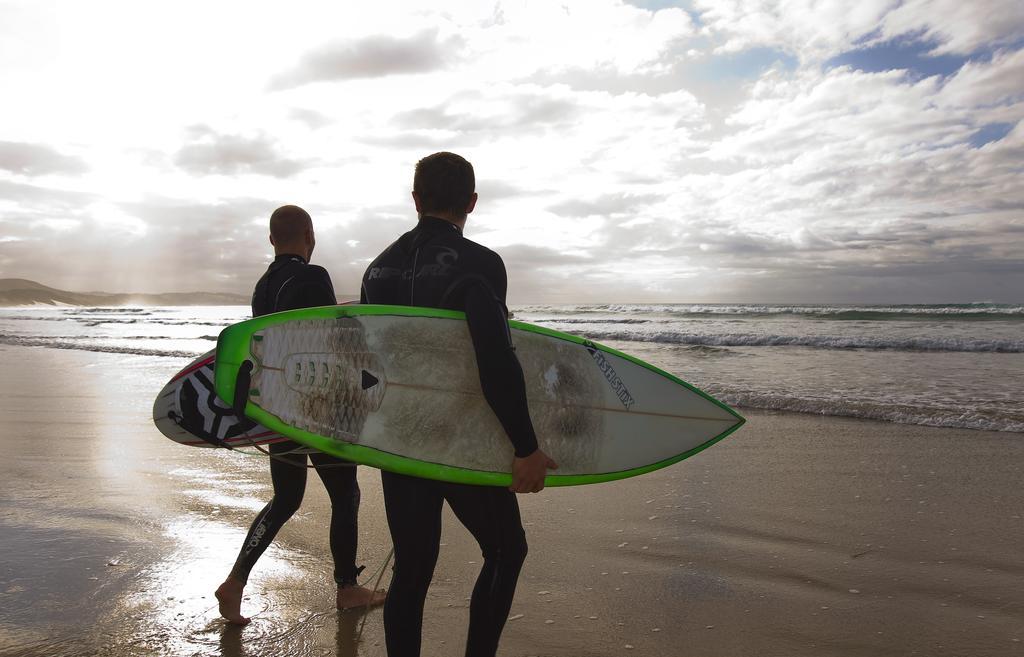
pixel 815 341
pixel 962 418
pixel 50 343
pixel 947 312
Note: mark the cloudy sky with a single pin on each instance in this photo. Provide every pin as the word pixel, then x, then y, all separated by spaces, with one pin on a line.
pixel 704 150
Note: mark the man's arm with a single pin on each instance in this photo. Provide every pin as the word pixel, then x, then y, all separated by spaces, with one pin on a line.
pixel 501 375
pixel 503 384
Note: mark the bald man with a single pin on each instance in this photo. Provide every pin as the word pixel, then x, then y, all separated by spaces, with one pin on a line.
pixel 291 283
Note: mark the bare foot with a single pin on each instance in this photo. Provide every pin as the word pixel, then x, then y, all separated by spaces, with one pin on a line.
pixel 229 597
pixel 350 597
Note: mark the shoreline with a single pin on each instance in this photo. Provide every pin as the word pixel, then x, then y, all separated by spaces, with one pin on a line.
pixel 797 535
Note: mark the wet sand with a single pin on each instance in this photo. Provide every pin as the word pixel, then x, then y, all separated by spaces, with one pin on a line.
pixel 799 535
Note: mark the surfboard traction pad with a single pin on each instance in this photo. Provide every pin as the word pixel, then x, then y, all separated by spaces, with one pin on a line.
pixel 328 376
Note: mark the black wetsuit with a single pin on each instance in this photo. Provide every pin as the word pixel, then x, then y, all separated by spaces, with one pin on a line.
pixel 289 284
pixel 433 265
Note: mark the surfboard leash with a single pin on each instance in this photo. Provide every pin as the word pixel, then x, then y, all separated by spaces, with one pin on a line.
pixel 280 457
pixel 376 584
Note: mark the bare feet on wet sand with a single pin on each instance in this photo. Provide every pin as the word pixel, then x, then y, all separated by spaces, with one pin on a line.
pixel 351 597
pixel 229 597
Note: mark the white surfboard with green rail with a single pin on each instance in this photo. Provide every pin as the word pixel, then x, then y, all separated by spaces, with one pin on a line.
pixel 397 388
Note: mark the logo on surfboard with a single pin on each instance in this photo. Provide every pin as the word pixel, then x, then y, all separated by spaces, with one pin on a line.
pixel 618 386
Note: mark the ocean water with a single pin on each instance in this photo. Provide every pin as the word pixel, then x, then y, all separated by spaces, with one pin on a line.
pixel 939 365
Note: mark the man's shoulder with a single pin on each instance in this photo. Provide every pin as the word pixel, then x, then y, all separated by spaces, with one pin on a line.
pixel 309 273
pixel 317 270
pixel 480 251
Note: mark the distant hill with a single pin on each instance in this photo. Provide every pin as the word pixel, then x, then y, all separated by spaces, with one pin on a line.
pixel 22 292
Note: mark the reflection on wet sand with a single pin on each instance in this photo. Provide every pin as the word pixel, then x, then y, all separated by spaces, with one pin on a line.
pixel 115 538
pixel 175 593
pixel 308 636
pixel 289 596
pixel 171 607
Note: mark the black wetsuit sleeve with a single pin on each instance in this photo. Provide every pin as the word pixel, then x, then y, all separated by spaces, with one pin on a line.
pixel 501 375
pixel 309 289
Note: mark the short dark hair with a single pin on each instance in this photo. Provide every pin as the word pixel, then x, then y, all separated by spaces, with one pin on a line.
pixel 444 182
pixel 288 223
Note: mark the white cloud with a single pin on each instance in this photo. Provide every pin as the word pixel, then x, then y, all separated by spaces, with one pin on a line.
pixel 812 29
pixel 982 85
pixel 818 29
pixel 955 26
pixel 226 154
pixel 373 56
pixel 870 117
pixel 311 118
pixel 604 205
pixel 37 160
pixel 572 34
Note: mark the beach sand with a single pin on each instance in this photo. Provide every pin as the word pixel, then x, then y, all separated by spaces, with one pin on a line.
pixel 798 535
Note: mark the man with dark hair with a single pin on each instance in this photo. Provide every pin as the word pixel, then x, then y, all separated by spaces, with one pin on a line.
pixel 433 265
pixel 290 283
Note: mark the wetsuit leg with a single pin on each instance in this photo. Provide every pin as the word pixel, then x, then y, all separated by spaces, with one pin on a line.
pixel 491 514
pixel 288 475
pixel 339 479
pixel 414 517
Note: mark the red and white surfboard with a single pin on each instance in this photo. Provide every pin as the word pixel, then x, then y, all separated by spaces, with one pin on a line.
pixel 188 412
